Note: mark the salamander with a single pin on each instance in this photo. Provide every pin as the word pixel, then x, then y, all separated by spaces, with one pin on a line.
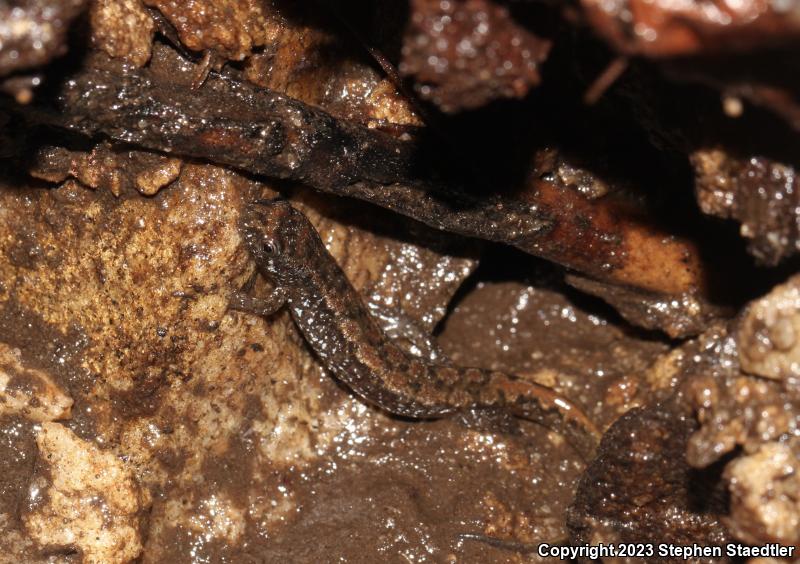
pixel 340 329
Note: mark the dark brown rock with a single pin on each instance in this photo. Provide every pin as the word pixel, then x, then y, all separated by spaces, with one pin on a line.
pixel 462 54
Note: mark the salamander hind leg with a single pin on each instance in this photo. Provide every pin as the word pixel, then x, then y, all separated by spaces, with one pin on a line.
pixel 489 420
pixel 548 408
pixel 406 333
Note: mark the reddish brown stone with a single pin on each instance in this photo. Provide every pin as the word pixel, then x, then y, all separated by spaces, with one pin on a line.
pixel 466 53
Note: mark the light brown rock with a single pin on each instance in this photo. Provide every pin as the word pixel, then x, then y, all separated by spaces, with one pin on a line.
pixel 769 333
pixel 29 392
pixel 123 29
pixel 764 486
pixel 85 498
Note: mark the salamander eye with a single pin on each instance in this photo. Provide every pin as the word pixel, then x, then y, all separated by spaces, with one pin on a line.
pixel 271 248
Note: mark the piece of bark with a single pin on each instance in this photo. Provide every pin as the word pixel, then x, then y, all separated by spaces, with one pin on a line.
pixel 260 131
pixel 663 28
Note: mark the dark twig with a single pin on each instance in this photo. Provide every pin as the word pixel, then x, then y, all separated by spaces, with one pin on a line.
pixel 604 81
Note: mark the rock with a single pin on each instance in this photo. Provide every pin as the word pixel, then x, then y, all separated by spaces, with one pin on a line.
pixel 764 486
pixel 768 333
pixel 84 498
pixel 29 392
pixel 464 54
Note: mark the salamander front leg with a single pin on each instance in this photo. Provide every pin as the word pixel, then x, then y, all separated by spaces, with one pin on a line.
pixel 264 307
pixel 243 300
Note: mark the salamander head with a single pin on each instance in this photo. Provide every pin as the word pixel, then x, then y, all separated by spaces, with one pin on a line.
pixel 280 238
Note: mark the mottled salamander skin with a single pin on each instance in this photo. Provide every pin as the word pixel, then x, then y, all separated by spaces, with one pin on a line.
pixel 339 328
